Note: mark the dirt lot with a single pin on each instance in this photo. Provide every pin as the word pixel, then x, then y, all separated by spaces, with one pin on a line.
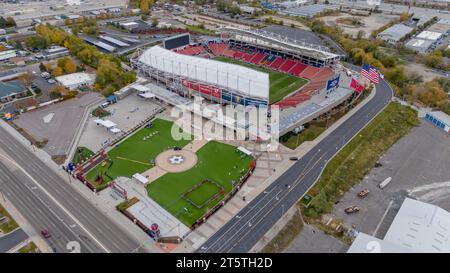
pixel 369 23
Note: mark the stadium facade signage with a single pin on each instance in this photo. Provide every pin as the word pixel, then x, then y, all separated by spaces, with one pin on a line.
pixel 333 83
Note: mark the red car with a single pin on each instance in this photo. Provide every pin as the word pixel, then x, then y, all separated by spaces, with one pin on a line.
pixel 45 234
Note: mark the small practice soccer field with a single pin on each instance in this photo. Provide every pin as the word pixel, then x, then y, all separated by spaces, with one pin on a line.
pixel 221 163
pixel 134 154
pixel 281 84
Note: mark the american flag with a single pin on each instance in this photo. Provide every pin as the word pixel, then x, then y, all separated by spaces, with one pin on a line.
pixel 371 73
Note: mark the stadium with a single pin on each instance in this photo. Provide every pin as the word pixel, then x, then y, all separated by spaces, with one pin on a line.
pixel 246 67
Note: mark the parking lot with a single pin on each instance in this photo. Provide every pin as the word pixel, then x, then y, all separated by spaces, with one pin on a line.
pixel 419 167
pixel 58 123
pixel 126 113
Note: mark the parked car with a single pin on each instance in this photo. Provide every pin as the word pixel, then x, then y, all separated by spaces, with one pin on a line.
pixel 363 193
pixel 351 209
pixel 293 158
pixel 51 81
pixel 45 233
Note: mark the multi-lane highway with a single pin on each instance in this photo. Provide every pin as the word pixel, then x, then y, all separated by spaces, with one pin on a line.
pixel 48 202
pixel 242 232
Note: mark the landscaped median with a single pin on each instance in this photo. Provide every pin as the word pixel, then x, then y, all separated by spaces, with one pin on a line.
pixel 7 223
pixel 348 168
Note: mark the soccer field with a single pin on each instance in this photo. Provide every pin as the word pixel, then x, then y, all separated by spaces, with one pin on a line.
pixel 281 84
pixel 134 154
pixel 218 162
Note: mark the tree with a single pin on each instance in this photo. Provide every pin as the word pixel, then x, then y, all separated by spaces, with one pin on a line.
pixel 36 42
pixel 26 78
pixel 57 72
pixel 155 22
pixel 70 66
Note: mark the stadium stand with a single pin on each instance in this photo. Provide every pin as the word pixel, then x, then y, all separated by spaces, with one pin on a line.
pixel 257 58
pixel 192 50
pixel 276 63
pixel 298 68
pixel 287 66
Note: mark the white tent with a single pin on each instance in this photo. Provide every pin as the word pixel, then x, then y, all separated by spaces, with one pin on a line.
pixel 244 150
pixel 244 80
pixel 105 123
pixel 140 178
pixel 147 95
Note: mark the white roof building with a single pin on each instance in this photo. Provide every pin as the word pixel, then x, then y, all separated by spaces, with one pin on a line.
pixel 76 80
pixel 7 54
pixel 417 227
pixel 233 77
pixel 429 35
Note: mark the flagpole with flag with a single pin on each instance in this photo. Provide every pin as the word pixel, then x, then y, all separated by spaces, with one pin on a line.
pixel 371 73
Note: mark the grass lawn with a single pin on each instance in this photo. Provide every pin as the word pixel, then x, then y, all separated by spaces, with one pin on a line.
pixel 82 152
pixel 281 84
pixel 359 156
pixel 219 162
pixel 204 192
pixel 8 226
pixel 294 140
pixel 29 248
pixel 134 154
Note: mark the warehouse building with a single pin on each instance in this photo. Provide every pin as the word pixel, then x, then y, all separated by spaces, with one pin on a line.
pixel 419 45
pixel 439 119
pixel 418 227
pixel 442 26
pixel 76 80
pixel 395 33
pixel 55 52
pixel 7 54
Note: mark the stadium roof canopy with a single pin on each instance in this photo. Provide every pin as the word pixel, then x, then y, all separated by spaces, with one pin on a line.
pixel 278 41
pixel 231 76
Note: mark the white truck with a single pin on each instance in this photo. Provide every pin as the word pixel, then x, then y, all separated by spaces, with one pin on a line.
pixel 385 182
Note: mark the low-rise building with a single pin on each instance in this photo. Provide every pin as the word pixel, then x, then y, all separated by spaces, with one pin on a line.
pixel 7 54
pixel 417 227
pixel 76 80
pixel 12 90
pixel 55 52
pixel 419 45
pixel 395 33
pixel 439 119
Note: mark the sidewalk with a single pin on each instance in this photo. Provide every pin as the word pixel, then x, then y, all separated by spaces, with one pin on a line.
pixel 26 227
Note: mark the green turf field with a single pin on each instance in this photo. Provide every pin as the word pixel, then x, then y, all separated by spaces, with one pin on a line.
pixel 217 161
pixel 134 155
pixel 81 152
pixel 281 84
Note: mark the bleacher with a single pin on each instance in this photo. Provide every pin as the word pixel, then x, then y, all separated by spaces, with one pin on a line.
pixel 298 68
pixel 309 72
pixel 287 65
pixel 247 57
pixel 276 63
pixel 257 58
pixel 217 48
pixel 192 50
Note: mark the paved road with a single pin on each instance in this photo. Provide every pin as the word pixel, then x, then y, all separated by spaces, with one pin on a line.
pixel 12 239
pixel 47 201
pixel 242 232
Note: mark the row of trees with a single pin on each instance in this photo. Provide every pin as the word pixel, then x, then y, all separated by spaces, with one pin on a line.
pixel 110 77
pixel 63 66
pixel 228 7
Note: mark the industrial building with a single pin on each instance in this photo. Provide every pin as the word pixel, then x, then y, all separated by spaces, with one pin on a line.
pixel 439 119
pixel 395 33
pixel 419 45
pixel 76 80
pixel 7 54
pixel 309 11
pixel 100 45
pixel 417 227
pixel 55 52
pixel 442 26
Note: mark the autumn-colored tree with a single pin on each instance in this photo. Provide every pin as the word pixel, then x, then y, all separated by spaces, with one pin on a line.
pixel 26 78
pixel 70 66
pixel 57 71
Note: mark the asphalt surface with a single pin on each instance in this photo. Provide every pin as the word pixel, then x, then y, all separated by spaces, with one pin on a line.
pixel 48 202
pixel 241 233
pixel 12 239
